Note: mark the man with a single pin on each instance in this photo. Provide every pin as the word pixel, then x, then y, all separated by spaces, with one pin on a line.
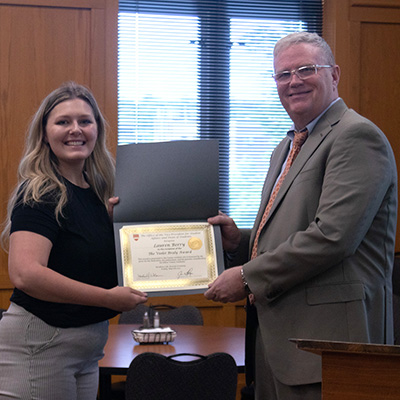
pixel 322 259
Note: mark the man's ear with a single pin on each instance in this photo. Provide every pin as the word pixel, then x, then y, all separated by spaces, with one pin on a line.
pixel 335 75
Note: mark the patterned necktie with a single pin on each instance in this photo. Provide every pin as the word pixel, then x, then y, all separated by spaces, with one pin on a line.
pixel 298 141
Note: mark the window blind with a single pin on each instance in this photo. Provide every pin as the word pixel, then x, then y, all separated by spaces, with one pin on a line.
pixel 200 69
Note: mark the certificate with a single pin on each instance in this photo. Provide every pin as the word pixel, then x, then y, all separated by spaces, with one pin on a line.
pixel 171 256
pixel 167 190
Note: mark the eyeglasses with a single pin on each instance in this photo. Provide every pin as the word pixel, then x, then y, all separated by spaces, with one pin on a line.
pixel 303 73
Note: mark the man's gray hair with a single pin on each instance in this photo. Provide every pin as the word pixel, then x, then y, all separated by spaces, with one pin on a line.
pixel 306 37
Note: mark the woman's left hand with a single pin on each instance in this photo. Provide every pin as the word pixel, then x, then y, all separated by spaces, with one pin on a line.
pixel 112 201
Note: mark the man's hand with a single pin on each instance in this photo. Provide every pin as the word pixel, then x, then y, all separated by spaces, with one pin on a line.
pixel 230 232
pixel 228 287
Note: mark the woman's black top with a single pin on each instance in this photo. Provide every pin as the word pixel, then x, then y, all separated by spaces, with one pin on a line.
pixel 83 250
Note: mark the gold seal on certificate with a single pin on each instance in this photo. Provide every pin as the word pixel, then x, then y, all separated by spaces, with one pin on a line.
pixel 168 256
pixel 195 243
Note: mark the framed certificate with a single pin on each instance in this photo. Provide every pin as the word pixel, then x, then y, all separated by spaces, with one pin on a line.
pixel 168 257
pixel 167 190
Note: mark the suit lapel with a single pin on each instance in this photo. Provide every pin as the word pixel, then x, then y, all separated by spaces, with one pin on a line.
pixel 317 136
pixel 278 158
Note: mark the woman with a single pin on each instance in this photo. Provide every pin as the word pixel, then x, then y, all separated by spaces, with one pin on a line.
pixel 61 255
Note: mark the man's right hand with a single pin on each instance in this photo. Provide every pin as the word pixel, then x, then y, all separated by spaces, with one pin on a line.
pixel 230 232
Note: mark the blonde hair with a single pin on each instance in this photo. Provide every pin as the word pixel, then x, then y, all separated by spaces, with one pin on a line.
pixel 38 173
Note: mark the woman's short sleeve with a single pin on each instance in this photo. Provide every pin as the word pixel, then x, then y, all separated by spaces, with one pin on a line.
pixel 38 218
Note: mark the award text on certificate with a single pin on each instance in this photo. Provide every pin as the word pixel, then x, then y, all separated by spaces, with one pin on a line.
pixel 157 257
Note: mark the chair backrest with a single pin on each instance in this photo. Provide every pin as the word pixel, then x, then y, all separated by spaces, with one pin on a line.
pixel 154 376
pixel 184 315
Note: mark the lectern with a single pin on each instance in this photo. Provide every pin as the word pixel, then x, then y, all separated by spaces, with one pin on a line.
pixel 356 371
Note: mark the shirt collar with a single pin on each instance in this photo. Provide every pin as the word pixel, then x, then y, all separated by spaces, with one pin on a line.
pixel 312 124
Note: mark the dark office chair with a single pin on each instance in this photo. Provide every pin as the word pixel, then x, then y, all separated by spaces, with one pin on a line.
pixel 169 315
pixel 152 376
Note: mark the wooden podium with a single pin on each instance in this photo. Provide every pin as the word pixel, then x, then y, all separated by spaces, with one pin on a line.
pixel 356 371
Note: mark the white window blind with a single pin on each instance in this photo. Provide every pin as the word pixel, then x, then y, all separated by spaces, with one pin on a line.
pixel 200 69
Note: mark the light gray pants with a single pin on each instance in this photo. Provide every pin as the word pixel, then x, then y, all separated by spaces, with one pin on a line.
pixel 41 362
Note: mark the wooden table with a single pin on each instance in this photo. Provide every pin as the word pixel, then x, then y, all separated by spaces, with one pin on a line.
pixel 121 349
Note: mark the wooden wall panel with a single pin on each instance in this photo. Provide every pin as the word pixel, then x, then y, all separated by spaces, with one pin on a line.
pixel 5 295
pixel 365 37
pixel 44 43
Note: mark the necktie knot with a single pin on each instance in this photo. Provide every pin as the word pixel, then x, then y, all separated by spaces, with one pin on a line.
pixel 300 138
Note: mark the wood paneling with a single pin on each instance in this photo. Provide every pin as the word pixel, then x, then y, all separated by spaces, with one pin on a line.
pixel 44 43
pixel 5 295
pixel 365 37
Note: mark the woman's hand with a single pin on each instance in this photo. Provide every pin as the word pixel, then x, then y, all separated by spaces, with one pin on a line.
pixel 124 298
pixel 112 201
